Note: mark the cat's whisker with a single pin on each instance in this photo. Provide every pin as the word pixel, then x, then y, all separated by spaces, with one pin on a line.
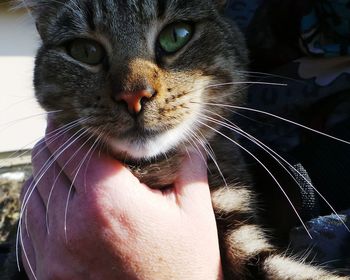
pixel 29 117
pixel 194 138
pixel 5 126
pixel 26 258
pixel 104 140
pixel 305 180
pixel 49 138
pixel 210 150
pixel 278 117
pixel 325 264
pixel 193 142
pixel 37 179
pixel 55 134
pixel 4 110
pixel 238 83
pixel 188 154
pixel 268 171
pixel 48 164
pixel 237 130
pixel 98 144
pixel 246 83
pixel 19 236
pixel 269 75
pixel 279 158
pixel 55 182
pixel 211 154
pixel 71 188
pixel 32 186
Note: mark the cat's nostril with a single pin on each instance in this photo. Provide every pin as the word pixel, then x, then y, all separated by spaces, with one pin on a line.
pixel 134 99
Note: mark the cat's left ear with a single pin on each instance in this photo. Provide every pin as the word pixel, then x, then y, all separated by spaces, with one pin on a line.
pixel 40 10
pixel 37 7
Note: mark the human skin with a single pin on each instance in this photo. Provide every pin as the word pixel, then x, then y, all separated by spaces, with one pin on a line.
pixel 115 227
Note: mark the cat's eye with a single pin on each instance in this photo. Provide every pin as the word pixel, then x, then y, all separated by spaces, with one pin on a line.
pixel 175 36
pixel 86 51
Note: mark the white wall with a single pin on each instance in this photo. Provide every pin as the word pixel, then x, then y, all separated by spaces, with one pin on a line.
pixel 18 42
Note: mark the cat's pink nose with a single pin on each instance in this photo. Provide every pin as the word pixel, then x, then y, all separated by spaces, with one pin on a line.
pixel 133 99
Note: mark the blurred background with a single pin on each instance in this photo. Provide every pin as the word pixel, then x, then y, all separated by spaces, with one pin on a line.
pixel 22 122
pixel 21 119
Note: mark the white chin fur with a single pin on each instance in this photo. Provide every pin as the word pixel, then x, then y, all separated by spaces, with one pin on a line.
pixel 156 145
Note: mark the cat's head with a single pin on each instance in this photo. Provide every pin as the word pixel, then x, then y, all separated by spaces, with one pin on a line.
pixel 137 72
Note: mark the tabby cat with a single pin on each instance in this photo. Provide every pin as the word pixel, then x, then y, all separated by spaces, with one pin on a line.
pixel 145 74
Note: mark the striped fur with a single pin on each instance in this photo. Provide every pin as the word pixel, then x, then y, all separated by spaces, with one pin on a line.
pixel 216 55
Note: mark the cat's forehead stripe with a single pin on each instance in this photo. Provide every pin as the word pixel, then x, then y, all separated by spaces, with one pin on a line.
pixel 139 10
pixel 89 15
pixel 161 6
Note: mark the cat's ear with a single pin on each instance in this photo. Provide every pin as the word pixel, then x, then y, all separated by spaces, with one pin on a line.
pixel 35 7
pixel 39 10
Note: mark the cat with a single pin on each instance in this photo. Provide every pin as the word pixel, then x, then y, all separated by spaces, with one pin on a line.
pixel 146 75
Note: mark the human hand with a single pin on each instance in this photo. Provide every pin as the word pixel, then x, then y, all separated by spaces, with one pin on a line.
pixel 95 220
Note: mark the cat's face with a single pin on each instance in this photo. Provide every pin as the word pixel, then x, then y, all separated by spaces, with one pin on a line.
pixel 139 72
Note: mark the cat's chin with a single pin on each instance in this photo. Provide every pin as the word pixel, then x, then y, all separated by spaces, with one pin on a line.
pixel 151 146
pixel 139 151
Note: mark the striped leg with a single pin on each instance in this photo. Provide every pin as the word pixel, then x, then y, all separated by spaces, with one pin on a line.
pixel 246 250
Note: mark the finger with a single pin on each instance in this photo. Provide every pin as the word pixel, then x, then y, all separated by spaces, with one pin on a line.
pixel 53 188
pixel 87 168
pixel 32 218
pixel 28 256
pixel 26 251
pixel 191 186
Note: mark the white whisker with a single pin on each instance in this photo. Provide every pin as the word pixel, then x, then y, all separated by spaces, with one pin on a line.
pixel 239 83
pixel 193 142
pixel 7 125
pixel 269 75
pixel 269 172
pixel 74 179
pixel 99 140
pixel 31 188
pixel 280 118
pixel 16 103
pixel 55 182
pixel 246 83
pixel 271 152
pixel 49 138
pixel 211 154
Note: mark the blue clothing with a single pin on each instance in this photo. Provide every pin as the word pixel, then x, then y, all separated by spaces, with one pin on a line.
pixel 306 45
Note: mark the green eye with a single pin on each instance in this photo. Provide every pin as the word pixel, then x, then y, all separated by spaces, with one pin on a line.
pixel 86 51
pixel 175 36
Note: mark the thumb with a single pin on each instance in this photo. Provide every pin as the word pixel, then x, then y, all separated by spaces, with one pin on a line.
pixel 191 186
